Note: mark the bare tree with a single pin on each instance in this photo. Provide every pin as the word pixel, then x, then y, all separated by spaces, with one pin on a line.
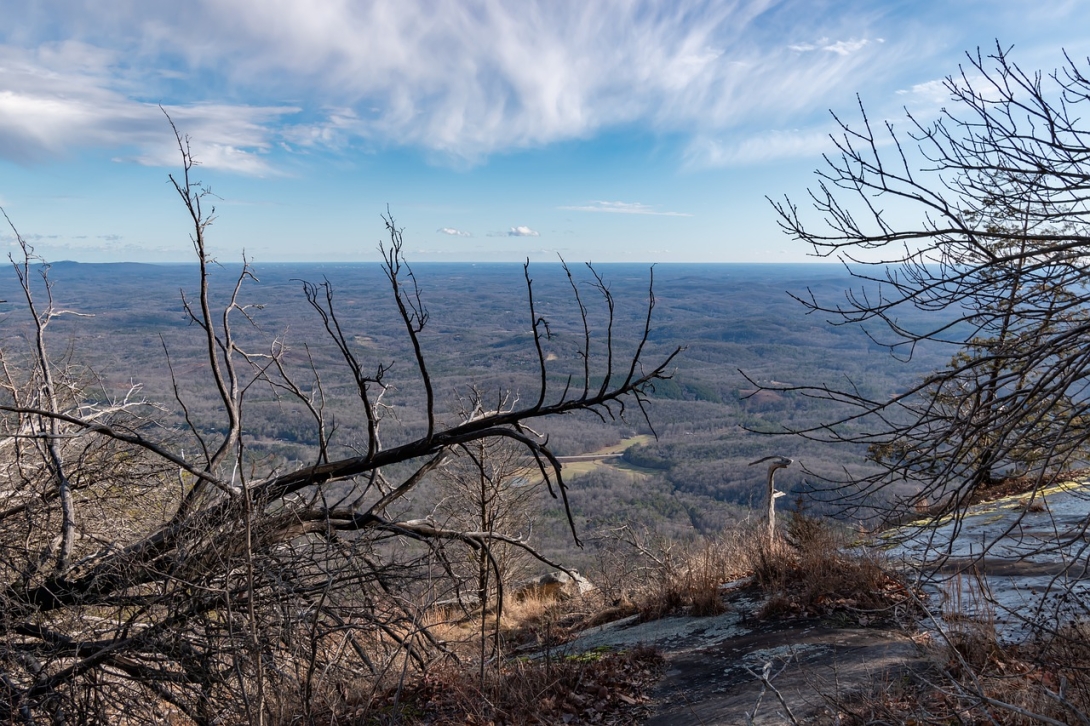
pixel 970 232
pixel 777 463
pixel 995 269
pixel 140 571
pixel 490 486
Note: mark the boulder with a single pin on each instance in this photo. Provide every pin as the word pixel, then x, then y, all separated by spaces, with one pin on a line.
pixel 554 586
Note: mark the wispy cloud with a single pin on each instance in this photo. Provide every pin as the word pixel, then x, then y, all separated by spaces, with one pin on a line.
pixel 839 47
pixel 709 152
pixel 934 90
pixel 453 232
pixel 623 208
pixel 475 79
pixel 59 98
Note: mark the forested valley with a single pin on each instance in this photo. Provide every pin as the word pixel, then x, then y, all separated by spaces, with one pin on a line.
pixel 685 467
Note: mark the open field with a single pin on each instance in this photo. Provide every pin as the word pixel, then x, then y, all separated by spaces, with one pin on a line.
pixel 608 456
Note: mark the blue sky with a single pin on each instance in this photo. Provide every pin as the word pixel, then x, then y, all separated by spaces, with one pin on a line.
pixel 603 130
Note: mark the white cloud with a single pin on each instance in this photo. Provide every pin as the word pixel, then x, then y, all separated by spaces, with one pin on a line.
pixel 338 126
pixel 453 232
pixel 926 100
pixel 840 47
pixel 623 208
pixel 520 231
pixel 934 90
pixel 470 80
pixel 60 98
pixel 847 47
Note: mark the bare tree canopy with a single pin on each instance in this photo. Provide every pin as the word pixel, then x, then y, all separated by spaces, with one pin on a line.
pixel 971 233
pixel 140 568
pixel 991 261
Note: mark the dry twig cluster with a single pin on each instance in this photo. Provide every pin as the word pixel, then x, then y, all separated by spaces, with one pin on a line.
pixel 148 576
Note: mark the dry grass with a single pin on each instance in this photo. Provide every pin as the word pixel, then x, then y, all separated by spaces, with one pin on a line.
pixel 600 688
pixel 537 621
pixel 654 576
pixel 974 678
pixel 690 583
pixel 813 572
pixel 531 621
pixel 809 572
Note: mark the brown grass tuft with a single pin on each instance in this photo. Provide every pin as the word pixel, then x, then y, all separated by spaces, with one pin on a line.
pixel 599 688
pixel 813 572
pixel 687 578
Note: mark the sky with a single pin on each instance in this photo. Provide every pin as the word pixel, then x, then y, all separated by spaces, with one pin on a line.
pixel 492 130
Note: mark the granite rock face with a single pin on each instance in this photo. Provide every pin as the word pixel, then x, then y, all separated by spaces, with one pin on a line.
pixel 1013 563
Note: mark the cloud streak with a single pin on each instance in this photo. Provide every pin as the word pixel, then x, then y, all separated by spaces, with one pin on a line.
pixel 622 208
pixel 453 232
pixel 710 152
pixel 839 47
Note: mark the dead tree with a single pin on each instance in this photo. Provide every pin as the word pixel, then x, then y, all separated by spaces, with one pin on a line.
pixel 778 462
pixel 141 570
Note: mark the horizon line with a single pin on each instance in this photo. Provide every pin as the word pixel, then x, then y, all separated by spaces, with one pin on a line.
pixel 436 262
